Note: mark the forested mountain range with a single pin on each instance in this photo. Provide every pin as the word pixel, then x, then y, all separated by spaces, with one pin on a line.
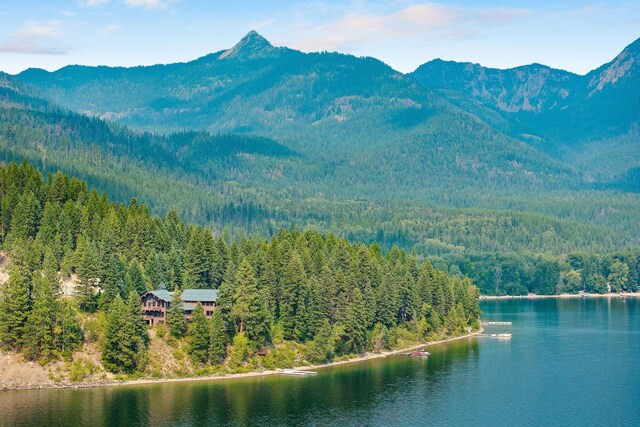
pixel 450 160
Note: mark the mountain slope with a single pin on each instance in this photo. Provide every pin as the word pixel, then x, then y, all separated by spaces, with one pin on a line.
pixel 589 121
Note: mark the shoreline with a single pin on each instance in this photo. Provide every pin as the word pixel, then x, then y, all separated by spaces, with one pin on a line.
pixel 150 381
pixel 584 295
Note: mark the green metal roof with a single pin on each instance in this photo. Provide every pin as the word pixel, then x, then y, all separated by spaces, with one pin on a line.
pixel 202 295
pixel 190 295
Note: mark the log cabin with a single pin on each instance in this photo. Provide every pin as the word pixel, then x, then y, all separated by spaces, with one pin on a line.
pixel 156 304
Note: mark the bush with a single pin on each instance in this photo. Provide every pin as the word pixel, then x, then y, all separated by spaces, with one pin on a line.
pixel 81 369
pixel 161 331
pixel 280 357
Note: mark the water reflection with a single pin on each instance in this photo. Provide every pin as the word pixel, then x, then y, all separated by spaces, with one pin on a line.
pixel 336 393
pixel 564 356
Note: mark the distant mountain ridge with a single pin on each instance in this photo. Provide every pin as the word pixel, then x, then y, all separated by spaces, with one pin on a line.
pixel 318 101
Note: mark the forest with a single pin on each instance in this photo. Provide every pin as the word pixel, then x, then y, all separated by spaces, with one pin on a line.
pixel 300 294
pixel 498 216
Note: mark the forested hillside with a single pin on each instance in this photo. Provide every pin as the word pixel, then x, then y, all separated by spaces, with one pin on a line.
pixel 347 145
pixel 302 294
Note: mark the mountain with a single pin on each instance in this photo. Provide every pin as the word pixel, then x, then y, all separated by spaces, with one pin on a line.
pixel 458 162
pixel 589 121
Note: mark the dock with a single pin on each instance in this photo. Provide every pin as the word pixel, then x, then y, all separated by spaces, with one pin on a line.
pixel 496 323
pixel 297 372
pixel 503 335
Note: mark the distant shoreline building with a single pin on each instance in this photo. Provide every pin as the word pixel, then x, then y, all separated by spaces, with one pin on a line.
pixel 156 304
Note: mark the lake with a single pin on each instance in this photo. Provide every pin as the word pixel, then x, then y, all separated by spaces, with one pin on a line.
pixel 570 362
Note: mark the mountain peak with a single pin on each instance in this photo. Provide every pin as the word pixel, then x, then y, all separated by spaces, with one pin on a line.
pixel 252 45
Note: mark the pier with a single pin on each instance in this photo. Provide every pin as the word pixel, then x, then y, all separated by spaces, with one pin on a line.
pixel 496 323
pixel 297 372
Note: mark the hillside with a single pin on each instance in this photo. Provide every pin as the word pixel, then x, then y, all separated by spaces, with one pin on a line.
pixel 589 121
pixel 453 160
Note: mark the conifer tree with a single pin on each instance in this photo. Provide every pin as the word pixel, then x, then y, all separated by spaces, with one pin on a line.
pixel 175 316
pixel 134 280
pixel 15 305
pixel 86 262
pixel 218 339
pixel 125 338
pixel 39 333
pixel 68 334
pixel 26 218
pixel 292 281
pixel 50 270
pixel 199 335
pixel 249 310
pixel 355 324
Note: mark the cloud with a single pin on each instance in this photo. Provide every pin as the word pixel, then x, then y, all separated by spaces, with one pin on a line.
pixel 35 38
pixel 93 3
pixel 110 29
pixel 416 20
pixel 147 4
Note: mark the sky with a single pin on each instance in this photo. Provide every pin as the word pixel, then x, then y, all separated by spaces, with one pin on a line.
pixel 577 36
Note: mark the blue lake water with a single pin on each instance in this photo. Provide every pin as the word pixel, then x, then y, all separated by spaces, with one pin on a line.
pixel 570 362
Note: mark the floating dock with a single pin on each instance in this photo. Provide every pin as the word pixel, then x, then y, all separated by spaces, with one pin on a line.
pixel 496 323
pixel 297 372
pixel 503 335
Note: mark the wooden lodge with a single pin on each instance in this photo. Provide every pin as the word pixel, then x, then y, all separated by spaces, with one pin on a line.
pixel 156 304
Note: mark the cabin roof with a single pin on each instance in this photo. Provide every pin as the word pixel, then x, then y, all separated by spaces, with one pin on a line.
pixel 190 295
pixel 201 295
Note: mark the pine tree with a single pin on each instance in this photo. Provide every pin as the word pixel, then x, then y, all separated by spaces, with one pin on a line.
pixel 26 218
pixel 218 339
pixel 126 338
pixel 292 282
pixel 322 348
pixel 249 310
pixel 355 324
pixel 112 280
pixel 134 279
pixel 68 334
pixel 50 270
pixel 39 334
pixel 86 262
pixel 175 316
pixel 15 305
pixel 199 335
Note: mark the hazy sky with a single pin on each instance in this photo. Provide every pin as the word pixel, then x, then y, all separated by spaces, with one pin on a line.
pixel 573 35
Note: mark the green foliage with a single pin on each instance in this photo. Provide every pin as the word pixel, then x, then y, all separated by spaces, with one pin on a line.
pixel 199 335
pixel 125 339
pixel 175 316
pixel 15 306
pixel 218 339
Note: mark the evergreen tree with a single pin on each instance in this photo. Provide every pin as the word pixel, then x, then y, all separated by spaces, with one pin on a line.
pixel 199 335
pixel 125 338
pixel 134 280
pixel 355 324
pixel 292 282
pixel 218 339
pixel 249 310
pixel 86 262
pixel 68 334
pixel 175 316
pixel 39 333
pixel 15 306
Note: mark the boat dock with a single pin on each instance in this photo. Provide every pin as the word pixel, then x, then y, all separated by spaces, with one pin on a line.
pixel 297 372
pixel 496 323
pixel 503 335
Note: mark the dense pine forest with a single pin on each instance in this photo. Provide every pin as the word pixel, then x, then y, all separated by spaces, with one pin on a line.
pixel 302 295
pixel 242 185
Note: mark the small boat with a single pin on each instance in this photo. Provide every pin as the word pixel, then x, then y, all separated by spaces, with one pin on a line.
pixel 420 353
pixel 297 372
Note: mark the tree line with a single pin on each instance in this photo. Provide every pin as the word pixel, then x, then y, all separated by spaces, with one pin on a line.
pixel 320 291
